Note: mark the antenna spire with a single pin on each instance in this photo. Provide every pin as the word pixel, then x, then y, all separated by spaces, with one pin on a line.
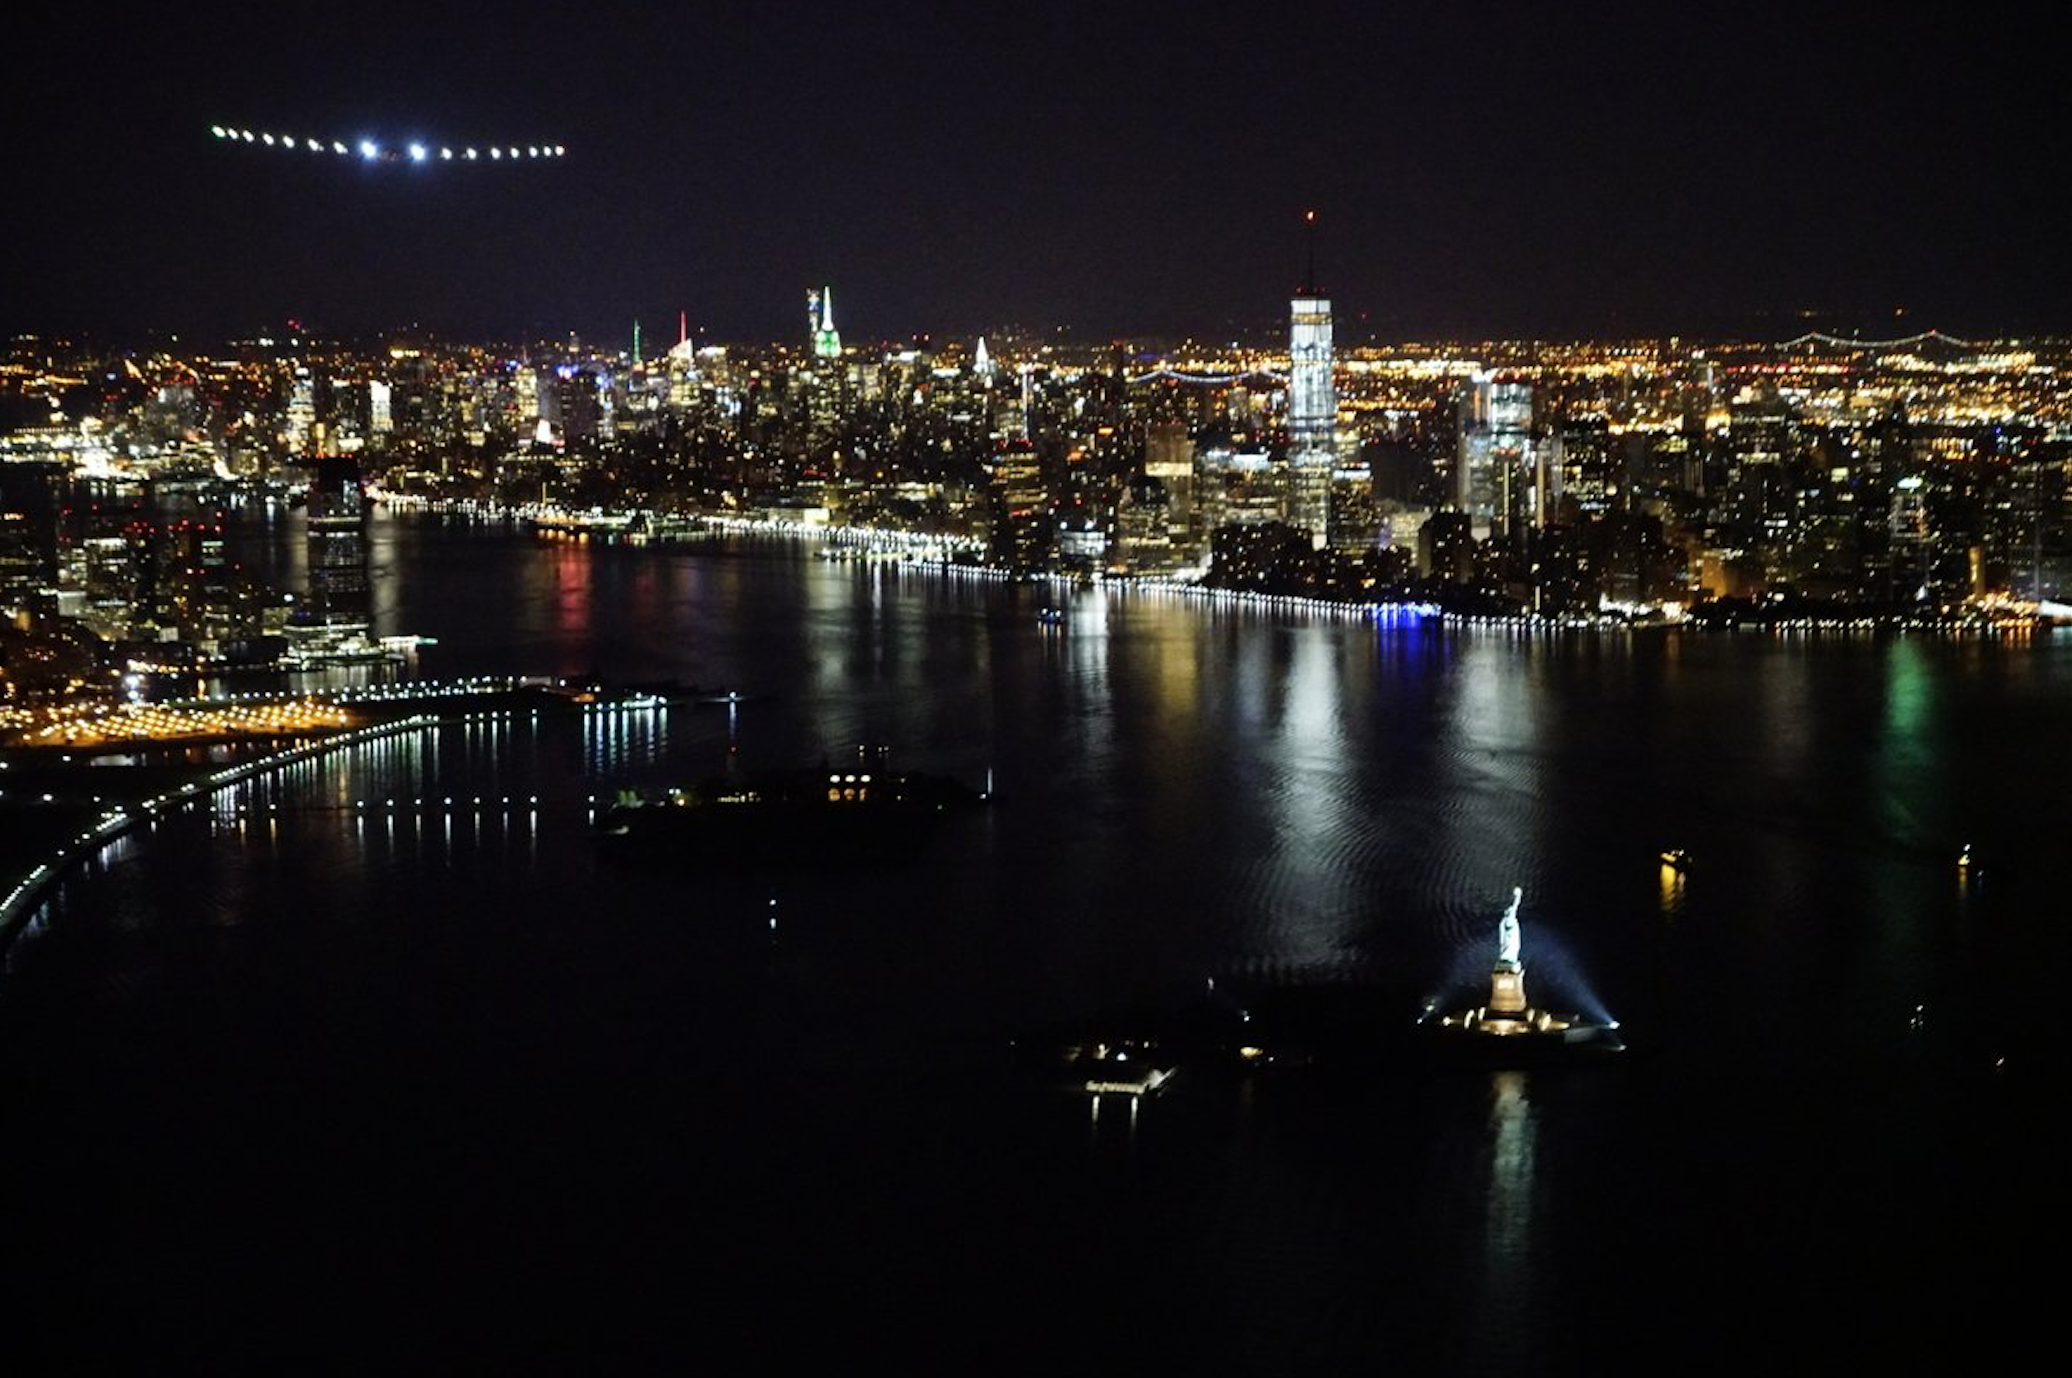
pixel 1309 221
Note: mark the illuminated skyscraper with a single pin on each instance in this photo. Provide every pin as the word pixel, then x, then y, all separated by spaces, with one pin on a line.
pixel 1504 480
pixel 1312 411
pixel 526 386
pixel 1023 526
pixel 1169 458
pixel 302 411
pixel 1912 545
pixel 820 324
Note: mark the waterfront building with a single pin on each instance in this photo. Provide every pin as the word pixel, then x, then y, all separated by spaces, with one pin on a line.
pixel 1022 527
pixel 338 582
pixel 1143 529
pixel 1169 460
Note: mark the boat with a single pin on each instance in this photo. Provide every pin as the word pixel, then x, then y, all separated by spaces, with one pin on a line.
pixel 1137 1052
pixel 1051 617
pixel 1102 1065
pixel 860 810
pixel 1105 1070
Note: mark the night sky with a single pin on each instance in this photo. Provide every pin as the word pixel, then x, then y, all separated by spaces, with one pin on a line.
pixel 1139 169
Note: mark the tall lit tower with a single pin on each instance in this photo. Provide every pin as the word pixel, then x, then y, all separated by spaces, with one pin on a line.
pixel 1312 406
pixel 820 322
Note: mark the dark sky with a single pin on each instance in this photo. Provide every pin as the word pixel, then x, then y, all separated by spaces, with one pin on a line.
pixel 1119 168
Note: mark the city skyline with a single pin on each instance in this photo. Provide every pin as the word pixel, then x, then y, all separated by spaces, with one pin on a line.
pixel 1501 174
pixel 556 810
pixel 1919 483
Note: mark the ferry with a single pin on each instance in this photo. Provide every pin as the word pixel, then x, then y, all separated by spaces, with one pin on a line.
pixel 1117 1069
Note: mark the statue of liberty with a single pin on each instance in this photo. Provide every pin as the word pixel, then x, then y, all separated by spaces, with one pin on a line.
pixel 1507 932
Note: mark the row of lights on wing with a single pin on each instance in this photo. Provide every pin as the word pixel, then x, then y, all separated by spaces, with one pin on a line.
pixel 367 148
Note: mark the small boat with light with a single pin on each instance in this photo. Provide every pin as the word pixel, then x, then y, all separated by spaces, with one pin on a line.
pixel 1122 1068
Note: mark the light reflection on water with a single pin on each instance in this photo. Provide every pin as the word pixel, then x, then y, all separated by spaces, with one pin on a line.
pixel 1231 793
pixel 1507 1235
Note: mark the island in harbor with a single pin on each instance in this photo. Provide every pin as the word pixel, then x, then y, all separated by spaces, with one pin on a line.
pixel 1507 1028
pixel 857 810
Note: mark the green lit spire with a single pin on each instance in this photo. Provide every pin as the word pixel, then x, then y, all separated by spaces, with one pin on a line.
pixel 827 341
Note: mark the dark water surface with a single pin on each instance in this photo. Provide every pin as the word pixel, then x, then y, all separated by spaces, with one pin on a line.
pixel 449 1088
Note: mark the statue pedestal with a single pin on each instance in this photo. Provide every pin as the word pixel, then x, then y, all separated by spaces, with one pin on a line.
pixel 1507 989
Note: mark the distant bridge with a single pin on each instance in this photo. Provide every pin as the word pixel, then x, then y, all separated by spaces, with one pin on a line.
pixel 1210 380
pixel 1821 337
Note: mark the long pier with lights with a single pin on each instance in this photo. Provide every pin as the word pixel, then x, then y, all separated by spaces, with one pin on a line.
pixel 113 823
pixel 323 724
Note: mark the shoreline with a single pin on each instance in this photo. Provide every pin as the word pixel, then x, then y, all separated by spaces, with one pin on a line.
pixel 471 700
pixel 933 552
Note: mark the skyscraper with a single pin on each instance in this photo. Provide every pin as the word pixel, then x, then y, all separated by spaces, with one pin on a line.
pixel 1504 481
pixel 338 586
pixel 1023 526
pixel 1312 411
pixel 1169 458
pixel 576 403
pixel 820 324
pixel 302 411
pixel 33 497
pixel 526 389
